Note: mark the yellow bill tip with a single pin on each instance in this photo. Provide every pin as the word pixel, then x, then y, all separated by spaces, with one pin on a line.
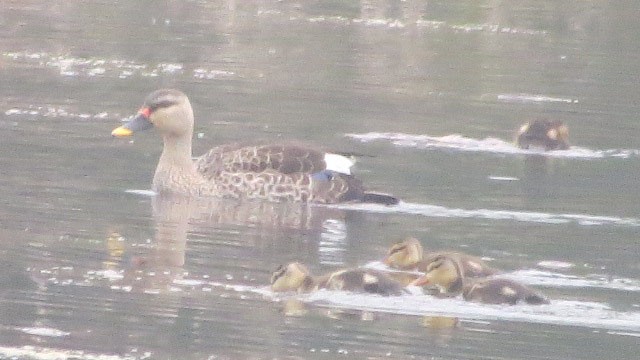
pixel 121 132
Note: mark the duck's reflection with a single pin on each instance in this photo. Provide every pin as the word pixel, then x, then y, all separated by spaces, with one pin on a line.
pixel 541 180
pixel 178 218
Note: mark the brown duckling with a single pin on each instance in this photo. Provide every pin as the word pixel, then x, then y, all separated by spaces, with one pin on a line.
pixel 445 272
pixel 408 254
pixel 543 134
pixel 296 277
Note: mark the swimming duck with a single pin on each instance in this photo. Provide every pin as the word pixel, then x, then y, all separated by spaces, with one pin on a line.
pixel 288 172
pixel 543 134
pixel 296 277
pixel 445 272
pixel 408 254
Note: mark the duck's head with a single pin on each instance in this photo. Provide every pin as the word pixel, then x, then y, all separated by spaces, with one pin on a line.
pixel 289 277
pixel 544 134
pixel 405 254
pixel 167 110
pixel 443 271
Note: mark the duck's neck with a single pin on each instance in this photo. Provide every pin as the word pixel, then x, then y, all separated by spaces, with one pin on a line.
pixel 175 167
pixel 455 287
pixel 177 151
pixel 309 284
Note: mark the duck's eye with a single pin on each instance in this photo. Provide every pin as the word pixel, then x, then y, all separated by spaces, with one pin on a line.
pixel 278 273
pixel 165 103
pixel 435 265
pixel 396 249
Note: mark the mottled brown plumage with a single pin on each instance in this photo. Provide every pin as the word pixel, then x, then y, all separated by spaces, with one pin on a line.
pixel 296 277
pixel 287 172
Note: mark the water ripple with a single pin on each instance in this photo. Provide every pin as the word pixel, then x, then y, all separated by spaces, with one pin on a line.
pixel 559 312
pixel 524 216
pixel 99 67
pixel 491 145
pixel 36 352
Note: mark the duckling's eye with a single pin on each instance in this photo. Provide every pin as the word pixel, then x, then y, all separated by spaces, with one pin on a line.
pixel 278 273
pixel 396 249
pixel 435 265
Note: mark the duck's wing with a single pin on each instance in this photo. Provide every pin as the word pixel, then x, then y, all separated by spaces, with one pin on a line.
pixel 287 172
pixel 284 159
pixel 502 291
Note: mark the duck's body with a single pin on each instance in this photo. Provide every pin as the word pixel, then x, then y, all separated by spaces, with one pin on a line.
pixel 501 291
pixel 286 172
pixel 296 277
pixel 543 134
pixel 408 254
pixel 445 273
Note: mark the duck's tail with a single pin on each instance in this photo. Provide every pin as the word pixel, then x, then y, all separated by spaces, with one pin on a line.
pixel 536 299
pixel 335 187
pixel 379 198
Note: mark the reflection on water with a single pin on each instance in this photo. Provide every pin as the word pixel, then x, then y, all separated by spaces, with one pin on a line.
pixel 430 91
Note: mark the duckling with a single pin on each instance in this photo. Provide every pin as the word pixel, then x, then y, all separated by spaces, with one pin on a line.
pixel 544 134
pixel 445 272
pixel 296 277
pixel 408 254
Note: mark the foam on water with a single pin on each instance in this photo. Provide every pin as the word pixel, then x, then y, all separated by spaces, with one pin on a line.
pixel 534 98
pixel 547 278
pixel 559 312
pixel 141 192
pixel 42 331
pixel 58 112
pixel 43 353
pixel 456 142
pixel 98 67
pixel 401 23
pixel 525 216
pixel 554 279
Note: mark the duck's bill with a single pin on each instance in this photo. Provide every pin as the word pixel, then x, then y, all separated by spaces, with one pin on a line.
pixel 421 281
pixel 138 123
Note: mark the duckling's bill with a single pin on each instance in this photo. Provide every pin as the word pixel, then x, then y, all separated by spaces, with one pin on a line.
pixel 421 281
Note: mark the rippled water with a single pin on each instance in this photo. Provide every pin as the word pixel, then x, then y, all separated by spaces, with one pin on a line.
pixel 429 94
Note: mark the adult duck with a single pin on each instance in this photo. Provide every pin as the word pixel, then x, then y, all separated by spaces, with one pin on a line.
pixel 288 172
pixel 543 134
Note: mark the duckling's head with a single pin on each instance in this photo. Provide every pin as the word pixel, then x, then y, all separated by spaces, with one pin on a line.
pixel 405 254
pixel 289 277
pixel 443 271
pixel 167 110
pixel 544 134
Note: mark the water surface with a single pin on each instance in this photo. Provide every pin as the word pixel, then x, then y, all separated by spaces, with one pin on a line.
pixel 429 93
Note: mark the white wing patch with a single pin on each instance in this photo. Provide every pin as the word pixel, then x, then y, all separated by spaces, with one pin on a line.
pixel 338 163
pixel 370 279
pixel 508 291
pixel 474 265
